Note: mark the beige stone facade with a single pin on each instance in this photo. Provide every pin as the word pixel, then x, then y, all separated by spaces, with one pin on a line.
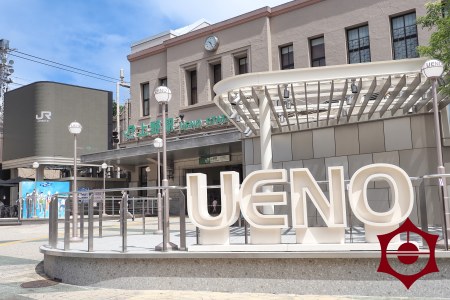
pixel 259 36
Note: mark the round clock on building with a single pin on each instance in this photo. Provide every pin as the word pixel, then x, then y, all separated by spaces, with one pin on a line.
pixel 211 43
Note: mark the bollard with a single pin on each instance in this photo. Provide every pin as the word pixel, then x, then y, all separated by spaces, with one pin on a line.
pixel 182 222
pixel 132 205
pixel 120 217
pixel 423 207
pixel 143 216
pixel 81 210
pixel 197 234
pixel 50 226
pixel 19 209
pixel 124 213
pixel 53 222
pixel 91 223
pixel 112 205
pixel 67 224
pixel 28 201
pixel 245 231
pixel 100 219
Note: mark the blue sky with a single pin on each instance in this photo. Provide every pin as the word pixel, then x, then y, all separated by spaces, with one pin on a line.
pixel 96 35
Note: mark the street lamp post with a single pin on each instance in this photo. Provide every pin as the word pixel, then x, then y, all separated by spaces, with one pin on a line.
pixel 104 167
pixel 75 129
pixel 158 143
pixel 147 171
pixel 163 96
pixel 433 70
pixel 35 167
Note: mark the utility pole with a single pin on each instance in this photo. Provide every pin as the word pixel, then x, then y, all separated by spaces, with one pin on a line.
pixel 6 69
pixel 119 84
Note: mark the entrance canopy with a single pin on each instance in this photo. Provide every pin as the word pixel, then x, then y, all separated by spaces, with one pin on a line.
pixel 317 97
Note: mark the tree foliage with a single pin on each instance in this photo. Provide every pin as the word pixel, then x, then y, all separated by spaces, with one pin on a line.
pixel 114 109
pixel 438 20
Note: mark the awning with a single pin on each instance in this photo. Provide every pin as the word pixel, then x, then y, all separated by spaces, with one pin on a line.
pixel 14 181
pixel 317 97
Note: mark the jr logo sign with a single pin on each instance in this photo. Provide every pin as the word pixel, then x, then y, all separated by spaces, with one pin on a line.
pixel 45 116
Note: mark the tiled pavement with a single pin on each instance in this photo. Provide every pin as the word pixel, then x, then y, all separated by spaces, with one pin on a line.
pixel 21 274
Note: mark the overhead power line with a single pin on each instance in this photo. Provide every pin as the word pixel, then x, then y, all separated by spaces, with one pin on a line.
pixel 67 66
pixel 65 69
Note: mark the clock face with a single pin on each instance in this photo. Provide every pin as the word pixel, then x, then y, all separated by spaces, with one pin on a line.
pixel 211 43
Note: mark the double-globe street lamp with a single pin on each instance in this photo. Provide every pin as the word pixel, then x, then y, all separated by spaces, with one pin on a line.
pixel 433 70
pixel 75 129
pixel 163 96
pixel 158 143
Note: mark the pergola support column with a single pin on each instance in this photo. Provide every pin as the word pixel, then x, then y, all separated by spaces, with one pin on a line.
pixel 270 235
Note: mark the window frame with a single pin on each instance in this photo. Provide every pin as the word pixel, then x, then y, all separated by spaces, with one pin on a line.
pixel 360 48
pixel 145 101
pixel 193 88
pixel 237 57
pixel 405 38
pixel 290 57
pixel 215 71
pixel 239 65
pixel 318 59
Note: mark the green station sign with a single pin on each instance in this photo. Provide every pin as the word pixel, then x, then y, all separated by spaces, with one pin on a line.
pixel 172 125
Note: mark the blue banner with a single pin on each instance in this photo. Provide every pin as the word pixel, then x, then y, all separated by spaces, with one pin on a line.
pixel 36 204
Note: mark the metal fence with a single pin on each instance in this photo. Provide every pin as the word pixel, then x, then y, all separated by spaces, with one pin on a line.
pixel 127 207
pixel 119 208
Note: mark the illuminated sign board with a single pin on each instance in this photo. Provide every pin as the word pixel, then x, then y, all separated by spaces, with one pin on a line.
pixel 256 194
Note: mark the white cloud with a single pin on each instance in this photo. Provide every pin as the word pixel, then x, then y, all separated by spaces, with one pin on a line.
pixel 96 35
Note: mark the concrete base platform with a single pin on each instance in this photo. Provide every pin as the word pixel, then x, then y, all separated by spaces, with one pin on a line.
pixel 9 221
pixel 264 270
pixel 336 273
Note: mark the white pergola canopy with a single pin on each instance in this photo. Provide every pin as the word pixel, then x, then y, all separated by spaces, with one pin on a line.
pixel 317 97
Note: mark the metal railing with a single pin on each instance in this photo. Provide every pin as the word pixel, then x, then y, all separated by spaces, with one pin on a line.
pixel 126 206
pixel 136 206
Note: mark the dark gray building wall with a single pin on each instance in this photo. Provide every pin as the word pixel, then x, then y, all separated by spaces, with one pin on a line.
pixel 25 136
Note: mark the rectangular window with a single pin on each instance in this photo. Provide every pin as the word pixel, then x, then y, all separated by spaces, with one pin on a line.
pixel 358 45
pixel 193 87
pixel 287 57
pixel 217 73
pixel 404 36
pixel 145 99
pixel 162 82
pixel 142 180
pixel 242 65
pixel 317 52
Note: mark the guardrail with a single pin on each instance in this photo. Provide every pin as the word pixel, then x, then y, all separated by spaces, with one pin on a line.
pixel 139 206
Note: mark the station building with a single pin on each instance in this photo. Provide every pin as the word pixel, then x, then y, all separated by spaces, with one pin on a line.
pixel 36 123
pixel 343 82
